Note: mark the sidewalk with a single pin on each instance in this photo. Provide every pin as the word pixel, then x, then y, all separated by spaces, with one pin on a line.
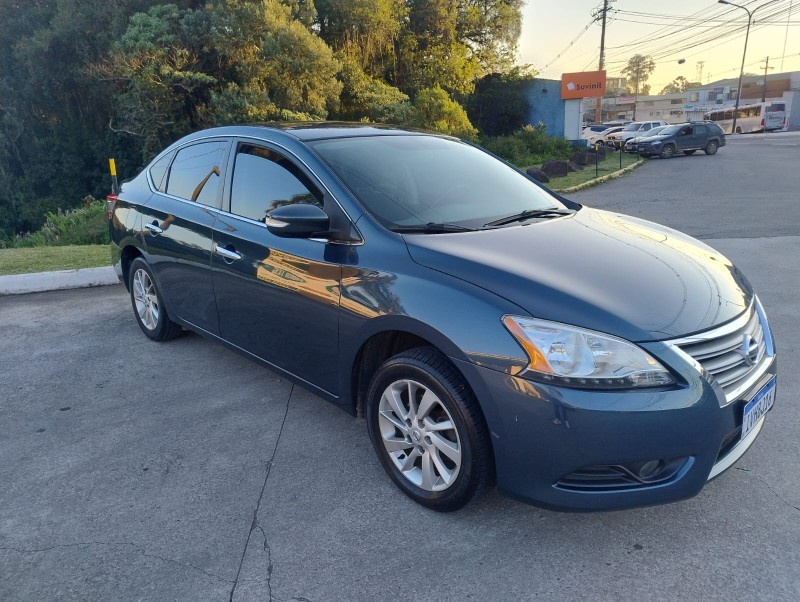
pixel 53 281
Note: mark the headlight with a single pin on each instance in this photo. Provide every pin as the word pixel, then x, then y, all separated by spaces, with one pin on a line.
pixel 576 357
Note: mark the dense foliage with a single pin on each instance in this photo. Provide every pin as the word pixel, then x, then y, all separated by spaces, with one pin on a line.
pixel 529 146
pixel 82 80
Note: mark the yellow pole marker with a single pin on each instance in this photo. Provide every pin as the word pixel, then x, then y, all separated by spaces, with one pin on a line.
pixel 112 165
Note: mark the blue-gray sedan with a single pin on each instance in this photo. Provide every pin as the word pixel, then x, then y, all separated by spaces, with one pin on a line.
pixel 488 329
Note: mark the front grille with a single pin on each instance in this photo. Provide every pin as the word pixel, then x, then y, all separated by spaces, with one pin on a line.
pixel 734 355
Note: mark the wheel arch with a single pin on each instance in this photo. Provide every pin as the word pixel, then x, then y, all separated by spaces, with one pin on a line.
pixel 384 341
pixel 128 254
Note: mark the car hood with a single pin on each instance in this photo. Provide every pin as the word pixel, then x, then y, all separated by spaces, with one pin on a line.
pixel 599 270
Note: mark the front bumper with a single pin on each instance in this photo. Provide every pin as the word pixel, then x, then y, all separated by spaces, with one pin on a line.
pixel 553 444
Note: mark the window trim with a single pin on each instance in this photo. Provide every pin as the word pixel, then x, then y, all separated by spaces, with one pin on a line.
pixel 305 168
pixel 222 176
pixel 234 152
pixel 235 138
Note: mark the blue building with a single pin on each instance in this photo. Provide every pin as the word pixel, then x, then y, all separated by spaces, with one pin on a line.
pixel 561 117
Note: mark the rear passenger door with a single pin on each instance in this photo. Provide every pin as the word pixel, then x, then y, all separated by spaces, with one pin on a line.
pixel 177 225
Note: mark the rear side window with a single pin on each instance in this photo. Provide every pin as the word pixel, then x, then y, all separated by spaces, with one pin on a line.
pixel 158 172
pixel 195 173
pixel 700 129
pixel 264 180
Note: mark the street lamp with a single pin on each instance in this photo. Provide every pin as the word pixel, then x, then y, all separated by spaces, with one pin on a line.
pixel 750 14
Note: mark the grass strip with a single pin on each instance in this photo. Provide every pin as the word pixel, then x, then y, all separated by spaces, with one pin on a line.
pixel 51 259
pixel 608 166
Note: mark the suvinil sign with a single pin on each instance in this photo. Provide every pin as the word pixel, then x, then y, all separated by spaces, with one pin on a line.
pixel 585 84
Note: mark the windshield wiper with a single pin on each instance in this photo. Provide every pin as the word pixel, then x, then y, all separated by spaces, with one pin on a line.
pixel 431 228
pixel 528 214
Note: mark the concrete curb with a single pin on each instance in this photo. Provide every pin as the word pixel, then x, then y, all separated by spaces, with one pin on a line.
pixel 601 179
pixel 20 284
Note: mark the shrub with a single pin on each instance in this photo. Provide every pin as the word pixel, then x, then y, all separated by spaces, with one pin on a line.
pixel 529 146
pixel 86 225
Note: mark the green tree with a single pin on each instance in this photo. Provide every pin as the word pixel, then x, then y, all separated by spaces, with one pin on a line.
pixel 433 109
pixel 499 106
pixel 491 28
pixel 364 96
pixel 638 71
pixel 678 85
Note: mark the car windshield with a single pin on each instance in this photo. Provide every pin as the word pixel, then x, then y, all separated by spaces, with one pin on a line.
pixel 670 129
pixel 411 180
pixel 632 127
pixel 656 131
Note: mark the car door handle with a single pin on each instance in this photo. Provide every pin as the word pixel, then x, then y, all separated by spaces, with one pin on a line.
pixel 154 229
pixel 226 253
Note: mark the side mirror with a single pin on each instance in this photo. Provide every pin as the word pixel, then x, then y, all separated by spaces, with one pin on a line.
pixel 297 221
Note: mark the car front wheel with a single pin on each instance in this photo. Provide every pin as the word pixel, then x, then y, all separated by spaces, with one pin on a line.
pixel 667 152
pixel 428 430
pixel 711 148
pixel 148 305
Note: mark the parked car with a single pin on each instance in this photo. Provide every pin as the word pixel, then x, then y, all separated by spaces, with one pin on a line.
pixel 593 130
pixel 602 137
pixel 687 138
pixel 632 130
pixel 632 144
pixel 486 327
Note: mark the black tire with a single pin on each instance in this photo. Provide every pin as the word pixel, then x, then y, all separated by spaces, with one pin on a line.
pixel 413 375
pixel 148 304
pixel 667 152
pixel 712 147
pixel 690 152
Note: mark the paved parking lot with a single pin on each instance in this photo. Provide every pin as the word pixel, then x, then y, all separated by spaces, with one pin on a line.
pixel 140 471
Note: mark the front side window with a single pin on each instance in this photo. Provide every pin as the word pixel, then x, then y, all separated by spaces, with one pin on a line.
pixel 264 180
pixel 195 173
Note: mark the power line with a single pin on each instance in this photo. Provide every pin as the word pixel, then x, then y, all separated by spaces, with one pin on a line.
pixel 570 45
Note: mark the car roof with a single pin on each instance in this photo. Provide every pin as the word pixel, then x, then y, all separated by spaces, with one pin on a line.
pixel 311 130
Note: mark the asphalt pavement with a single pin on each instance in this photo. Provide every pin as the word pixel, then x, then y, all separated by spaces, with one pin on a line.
pixel 133 470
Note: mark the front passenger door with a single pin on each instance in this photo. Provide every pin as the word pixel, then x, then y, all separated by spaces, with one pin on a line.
pixel 684 139
pixel 278 298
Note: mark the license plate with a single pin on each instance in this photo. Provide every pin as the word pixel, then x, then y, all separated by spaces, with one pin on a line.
pixel 757 407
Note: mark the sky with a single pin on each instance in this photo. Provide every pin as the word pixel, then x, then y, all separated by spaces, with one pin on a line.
pixel 558 37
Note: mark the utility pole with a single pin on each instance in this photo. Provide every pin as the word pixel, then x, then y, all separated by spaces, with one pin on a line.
pixel 700 65
pixel 601 16
pixel 764 86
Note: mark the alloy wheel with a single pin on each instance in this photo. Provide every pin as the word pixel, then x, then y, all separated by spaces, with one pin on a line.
pixel 419 435
pixel 145 299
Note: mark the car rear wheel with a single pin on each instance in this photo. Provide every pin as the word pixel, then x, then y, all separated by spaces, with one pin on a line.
pixel 148 305
pixel 667 152
pixel 690 152
pixel 711 148
pixel 428 430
